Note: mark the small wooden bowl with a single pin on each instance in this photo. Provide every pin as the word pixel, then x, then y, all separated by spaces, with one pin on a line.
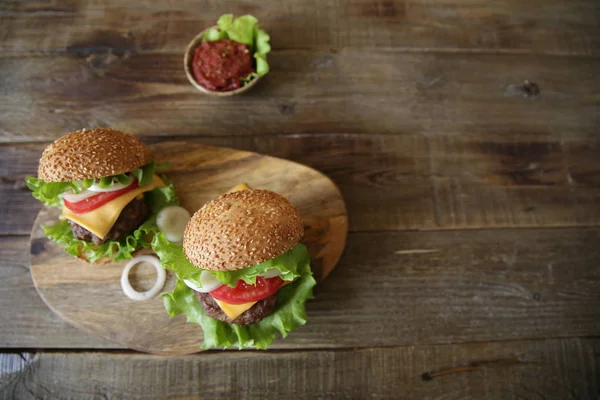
pixel 187 65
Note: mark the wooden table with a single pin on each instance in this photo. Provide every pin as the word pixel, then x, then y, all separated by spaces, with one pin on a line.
pixel 462 134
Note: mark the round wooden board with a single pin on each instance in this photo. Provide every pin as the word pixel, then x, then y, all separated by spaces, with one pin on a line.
pixel 89 296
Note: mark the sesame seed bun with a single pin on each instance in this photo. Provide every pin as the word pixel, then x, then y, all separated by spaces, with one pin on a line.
pixel 241 229
pixel 90 154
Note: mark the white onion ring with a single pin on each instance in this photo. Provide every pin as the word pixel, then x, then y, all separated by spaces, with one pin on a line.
pixel 74 198
pixel 161 277
pixel 192 285
pixel 271 273
pixel 172 221
pixel 208 282
pixel 113 188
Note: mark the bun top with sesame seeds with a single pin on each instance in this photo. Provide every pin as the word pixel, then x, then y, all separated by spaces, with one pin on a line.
pixel 91 154
pixel 241 229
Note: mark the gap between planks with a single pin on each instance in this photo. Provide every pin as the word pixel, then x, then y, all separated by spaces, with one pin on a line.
pixel 440 229
pixel 129 352
pixel 398 50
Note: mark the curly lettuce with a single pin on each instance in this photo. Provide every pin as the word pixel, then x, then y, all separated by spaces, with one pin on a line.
pixel 141 238
pixel 288 315
pixel 173 258
pixel 244 30
pixel 49 192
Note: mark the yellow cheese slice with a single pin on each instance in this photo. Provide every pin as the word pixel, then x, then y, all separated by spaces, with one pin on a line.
pixel 239 187
pixel 101 220
pixel 235 310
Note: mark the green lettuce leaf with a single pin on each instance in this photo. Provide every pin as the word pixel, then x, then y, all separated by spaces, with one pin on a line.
pixel 143 174
pixel 48 192
pixel 244 30
pixel 225 21
pixel 262 47
pixel 141 238
pixel 287 264
pixel 108 181
pixel 173 258
pixel 288 315
pixel 159 198
pixel 213 34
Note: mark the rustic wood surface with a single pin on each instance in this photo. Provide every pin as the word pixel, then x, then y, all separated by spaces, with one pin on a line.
pixel 90 296
pixel 406 181
pixel 424 93
pixel 560 368
pixel 463 136
pixel 403 288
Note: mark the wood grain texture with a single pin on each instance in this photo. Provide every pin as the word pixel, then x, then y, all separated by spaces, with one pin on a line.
pixel 24 317
pixel 402 182
pixel 550 26
pixel 482 182
pixel 90 296
pixel 545 369
pixel 443 135
pixel 471 285
pixel 307 91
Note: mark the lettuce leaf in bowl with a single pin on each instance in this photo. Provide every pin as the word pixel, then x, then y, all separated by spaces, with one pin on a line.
pixel 244 30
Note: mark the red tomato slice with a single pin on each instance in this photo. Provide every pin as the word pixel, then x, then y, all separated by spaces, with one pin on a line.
pixel 245 293
pixel 98 200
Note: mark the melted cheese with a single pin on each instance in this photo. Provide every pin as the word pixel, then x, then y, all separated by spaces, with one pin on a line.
pixel 101 220
pixel 239 187
pixel 235 310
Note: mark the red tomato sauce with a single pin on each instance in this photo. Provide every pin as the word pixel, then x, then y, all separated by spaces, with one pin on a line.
pixel 221 64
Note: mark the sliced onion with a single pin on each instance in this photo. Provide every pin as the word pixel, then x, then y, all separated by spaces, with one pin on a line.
pixel 113 188
pixel 172 222
pixel 74 198
pixel 271 273
pixel 133 294
pixel 208 282
pixel 192 285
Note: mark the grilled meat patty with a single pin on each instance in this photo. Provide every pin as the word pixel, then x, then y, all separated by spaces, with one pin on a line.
pixel 258 311
pixel 132 216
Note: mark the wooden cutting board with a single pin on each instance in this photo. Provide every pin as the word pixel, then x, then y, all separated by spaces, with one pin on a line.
pixel 89 296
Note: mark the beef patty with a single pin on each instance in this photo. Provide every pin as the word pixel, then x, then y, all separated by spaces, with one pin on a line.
pixel 258 311
pixel 130 218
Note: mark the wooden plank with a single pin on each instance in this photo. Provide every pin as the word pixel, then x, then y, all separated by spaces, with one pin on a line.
pixel 549 26
pixel 547 369
pixel 482 182
pixel 307 91
pixel 18 209
pixel 405 288
pixel 405 181
pixel 25 319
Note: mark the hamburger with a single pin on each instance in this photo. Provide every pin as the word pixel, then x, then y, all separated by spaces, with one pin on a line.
pixel 106 185
pixel 242 273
